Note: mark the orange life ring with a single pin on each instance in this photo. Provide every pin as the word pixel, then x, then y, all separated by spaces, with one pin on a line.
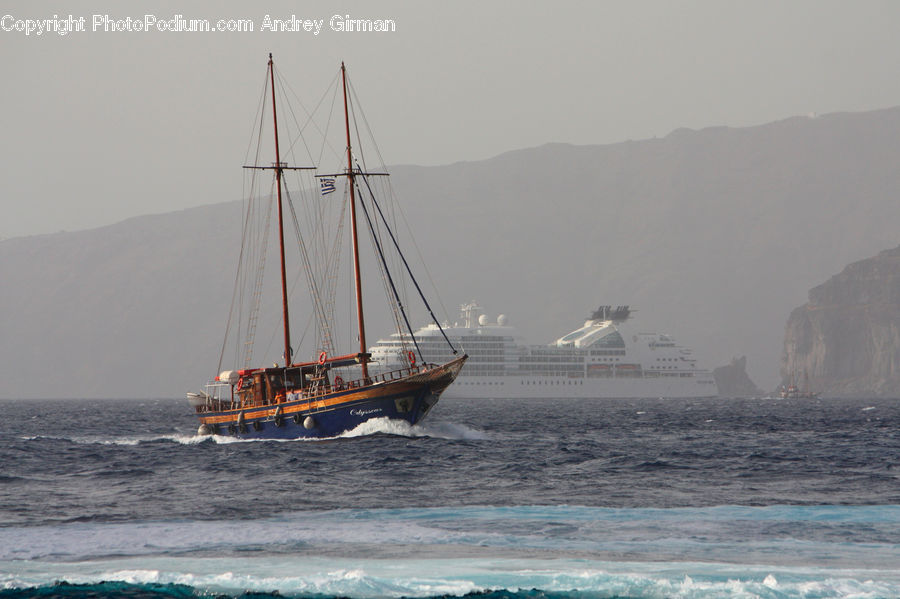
pixel 338 381
pixel 240 383
pixel 412 358
pixel 322 357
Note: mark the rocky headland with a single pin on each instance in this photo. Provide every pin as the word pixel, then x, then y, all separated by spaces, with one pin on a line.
pixel 846 339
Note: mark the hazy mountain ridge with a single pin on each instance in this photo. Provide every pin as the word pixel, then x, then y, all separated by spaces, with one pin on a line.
pixel 712 236
pixel 846 339
pixel 117 311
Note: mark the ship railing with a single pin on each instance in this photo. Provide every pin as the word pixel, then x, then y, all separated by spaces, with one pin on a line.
pixel 215 390
pixel 381 377
pixel 218 397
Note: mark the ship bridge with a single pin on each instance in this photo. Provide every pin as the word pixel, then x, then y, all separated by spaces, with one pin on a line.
pixel 599 331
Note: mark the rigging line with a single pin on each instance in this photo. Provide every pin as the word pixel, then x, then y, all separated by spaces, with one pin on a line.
pixel 399 277
pixel 253 234
pixel 359 145
pixel 381 159
pixel 307 266
pixel 316 280
pixel 388 186
pixel 385 191
pixel 395 306
pixel 322 297
pixel 236 296
pixel 395 300
pixel 256 292
pixel 234 293
pixel 406 264
pixel 260 116
pixel 399 208
pixel 321 208
pixel 359 155
pixel 294 284
pixel 312 114
pixel 305 204
pixel 333 260
pixel 260 121
pixel 309 320
pixel 315 291
pixel 241 279
pixel 326 143
pixel 256 254
pixel 399 290
pixel 365 121
pixel 387 272
pixel 290 109
pixel 357 106
pixel 322 301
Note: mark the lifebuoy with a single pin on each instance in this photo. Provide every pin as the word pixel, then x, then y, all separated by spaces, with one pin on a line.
pixel 322 357
pixel 338 381
pixel 412 358
pixel 240 383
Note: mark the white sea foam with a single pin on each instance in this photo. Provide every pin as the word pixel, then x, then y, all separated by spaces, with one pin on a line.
pixel 129 440
pixel 415 577
pixel 398 428
pixel 441 430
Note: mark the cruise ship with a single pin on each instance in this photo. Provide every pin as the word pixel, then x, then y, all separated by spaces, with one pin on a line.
pixel 600 359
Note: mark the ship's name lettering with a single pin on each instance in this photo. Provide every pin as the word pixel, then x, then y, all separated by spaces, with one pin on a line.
pixel 365 412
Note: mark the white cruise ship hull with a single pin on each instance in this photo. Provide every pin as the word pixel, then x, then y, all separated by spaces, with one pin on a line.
pixel 557 387
pixel 601 359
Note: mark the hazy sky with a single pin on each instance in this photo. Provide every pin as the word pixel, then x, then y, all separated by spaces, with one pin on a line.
pixel 99 126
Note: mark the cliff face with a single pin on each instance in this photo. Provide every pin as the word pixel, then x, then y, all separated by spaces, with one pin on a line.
pixel 847 338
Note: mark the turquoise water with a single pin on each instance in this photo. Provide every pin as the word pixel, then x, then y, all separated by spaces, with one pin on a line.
pixel 686 498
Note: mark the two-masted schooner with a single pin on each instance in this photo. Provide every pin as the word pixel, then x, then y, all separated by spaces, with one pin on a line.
pixel 329 394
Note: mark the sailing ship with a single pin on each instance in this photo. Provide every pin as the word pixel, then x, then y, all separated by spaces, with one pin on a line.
pixel 329 394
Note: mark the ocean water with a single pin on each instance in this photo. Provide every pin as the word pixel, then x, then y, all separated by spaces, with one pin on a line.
pixel 506 499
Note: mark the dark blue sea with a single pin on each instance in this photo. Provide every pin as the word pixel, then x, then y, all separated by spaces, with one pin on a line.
pixel 527 499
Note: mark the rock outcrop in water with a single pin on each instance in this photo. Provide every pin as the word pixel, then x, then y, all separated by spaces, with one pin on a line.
pixel 846 339
pixel 733 381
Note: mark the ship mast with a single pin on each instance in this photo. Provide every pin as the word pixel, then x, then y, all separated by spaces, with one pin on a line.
pixel 278 173
pixel 350 181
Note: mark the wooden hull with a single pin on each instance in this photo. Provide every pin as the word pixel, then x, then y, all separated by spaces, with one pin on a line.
pixel 408 399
